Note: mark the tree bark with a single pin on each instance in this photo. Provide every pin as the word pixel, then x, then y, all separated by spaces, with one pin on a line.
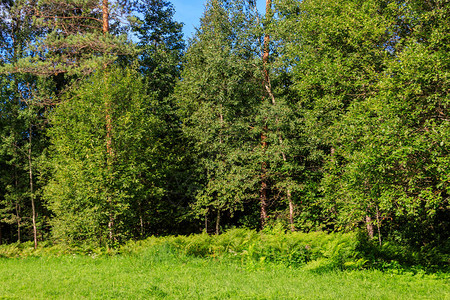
pixel 289 195
pixel 18 222
pixel 223 160
pixel 17 205
pixel 369 227
pixel 141 219
pixel 265 59
pixel 105 10
pixel 109 149
pixel 267 42
pixel 291 211
pixel 379 225
pixel 109 159
pixel 263 192
pixel 218 222
pixel 33 207
pixel 268 88
pixel 206 221
pixel 17 48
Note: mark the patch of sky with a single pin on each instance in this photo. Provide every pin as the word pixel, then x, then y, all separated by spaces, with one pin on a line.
pixel 189 12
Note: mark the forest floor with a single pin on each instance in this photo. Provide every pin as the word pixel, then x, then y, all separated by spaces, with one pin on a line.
pixel 163 275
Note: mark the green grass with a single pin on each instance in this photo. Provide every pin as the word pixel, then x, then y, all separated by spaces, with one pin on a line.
pixel 158 273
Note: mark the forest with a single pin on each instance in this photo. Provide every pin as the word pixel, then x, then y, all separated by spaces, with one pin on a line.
pixel 314 115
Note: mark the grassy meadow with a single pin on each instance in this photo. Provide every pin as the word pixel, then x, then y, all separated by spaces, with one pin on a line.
pixel 240 264
pixel 154 275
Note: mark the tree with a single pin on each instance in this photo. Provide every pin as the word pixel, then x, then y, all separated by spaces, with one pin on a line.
pixel 241 143
pixel 280 164
pixel 399 134
pixel 336 55
pixel 89 187
pixel 70 37
pixel 374 107
pixel 21 136
pixel 161 45
pixel 74 39
pixel 160 40
pixel 166 53
pixel 219 96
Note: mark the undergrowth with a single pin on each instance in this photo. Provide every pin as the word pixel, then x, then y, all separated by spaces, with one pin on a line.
pixel 315 251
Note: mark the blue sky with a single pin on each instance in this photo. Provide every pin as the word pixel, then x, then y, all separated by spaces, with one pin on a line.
pixel 190 11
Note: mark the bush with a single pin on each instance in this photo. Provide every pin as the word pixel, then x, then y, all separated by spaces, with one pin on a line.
pixel 316 251
pixel 399 257
pixel 271 246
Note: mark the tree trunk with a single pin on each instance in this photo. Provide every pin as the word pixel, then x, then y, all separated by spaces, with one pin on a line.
pixel 223 160
pixel 265 59
pixel 291 211
pixel 289 196
pixel 369 227
pixel 109 150
pixel 33 207
pixel 218 223
pixel 378 225
pixel 267 40
pixel 105 10
pixel 18 221
pixel 141 220
pixel 206 221
pixel 268 88
pixel 17 48
pixel 263 192
pixel 16 182
pixel 109 159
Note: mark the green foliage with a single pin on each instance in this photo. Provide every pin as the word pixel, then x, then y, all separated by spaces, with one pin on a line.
pixel 160 41
pixel 218 97
pixel 338 251
pixel 344 128
pixel 22 127
pixel 335 54
pixel 317 252
pixel 371 81
pixel 90 186
pixel 69 38
pixel 401 257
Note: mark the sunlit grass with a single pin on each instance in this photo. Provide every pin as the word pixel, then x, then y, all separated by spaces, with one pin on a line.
pixel 159 274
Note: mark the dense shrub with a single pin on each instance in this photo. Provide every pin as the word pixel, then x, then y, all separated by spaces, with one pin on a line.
pixel 316 251
pixel 395 255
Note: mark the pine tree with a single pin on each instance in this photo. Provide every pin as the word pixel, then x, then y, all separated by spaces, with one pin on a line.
pixel 73 39
pixel 160 40
pixel 161 45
